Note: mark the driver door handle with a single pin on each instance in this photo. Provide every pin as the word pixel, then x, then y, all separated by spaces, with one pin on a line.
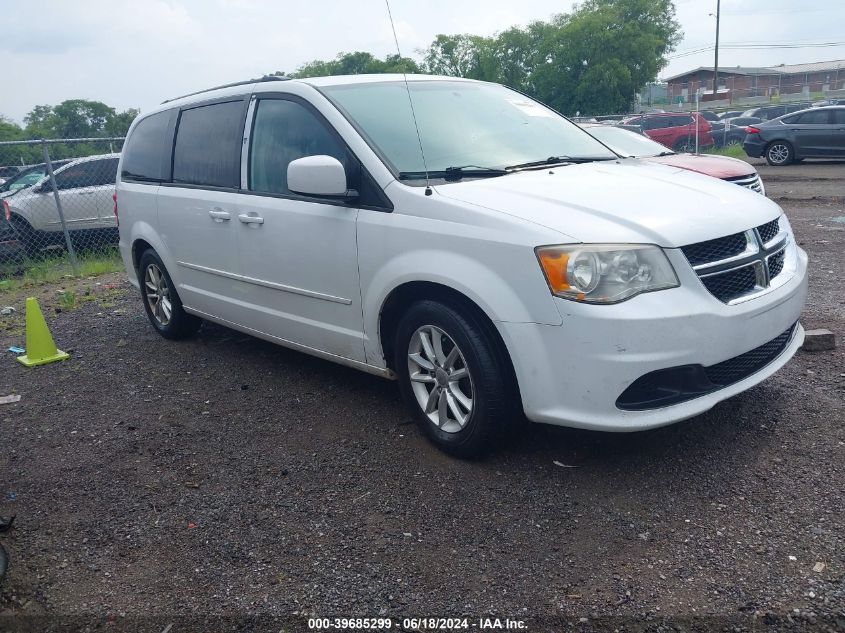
pixel 219 215
pixel 247 218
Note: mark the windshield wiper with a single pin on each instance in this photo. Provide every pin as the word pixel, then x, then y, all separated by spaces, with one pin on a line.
pixel 454 174
pixel 557 160
pixel 665 154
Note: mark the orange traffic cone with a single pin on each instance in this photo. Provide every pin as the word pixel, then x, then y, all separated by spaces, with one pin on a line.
pixel 40 348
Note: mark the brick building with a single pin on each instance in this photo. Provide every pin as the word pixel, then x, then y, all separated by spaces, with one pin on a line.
pixel 740 82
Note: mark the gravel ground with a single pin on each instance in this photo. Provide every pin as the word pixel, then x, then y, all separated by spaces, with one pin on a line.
pixel 812 179
pixel 158 482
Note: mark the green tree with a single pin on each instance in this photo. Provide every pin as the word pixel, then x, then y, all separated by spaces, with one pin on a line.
pixel 592 60
pixel 9 130
pixel 357 63
pixel 77 118
pixel 465 55
pixel 597 58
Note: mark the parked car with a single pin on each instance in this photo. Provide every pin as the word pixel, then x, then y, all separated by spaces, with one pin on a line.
pixel 8 171
pixel 717 126
pixel 767 113
pixel 730 114
pixel 676 131
pixel 85 187
pixel 735 129
pixel 633 145
pixel 828 102
pixel 811 133
pixel 28 177
pixel 495 259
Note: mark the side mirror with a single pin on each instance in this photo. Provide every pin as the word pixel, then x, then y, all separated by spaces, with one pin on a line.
pixel 321 176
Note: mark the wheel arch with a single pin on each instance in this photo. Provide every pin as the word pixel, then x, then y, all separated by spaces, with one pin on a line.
pixel 403 296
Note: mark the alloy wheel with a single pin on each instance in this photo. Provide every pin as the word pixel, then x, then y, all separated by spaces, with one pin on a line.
pixel 440 378
pixel 157 293
pixel 778 153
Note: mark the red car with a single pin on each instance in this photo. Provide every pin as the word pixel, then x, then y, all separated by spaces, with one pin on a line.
pixel 630 144
pixel 675 130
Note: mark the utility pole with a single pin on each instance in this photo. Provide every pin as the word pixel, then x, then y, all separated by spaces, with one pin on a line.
pixel 716 61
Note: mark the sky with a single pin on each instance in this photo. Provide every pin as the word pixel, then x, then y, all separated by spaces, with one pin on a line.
pixel 136 53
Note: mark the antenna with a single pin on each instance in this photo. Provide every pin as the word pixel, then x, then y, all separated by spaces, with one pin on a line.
pixel 410 101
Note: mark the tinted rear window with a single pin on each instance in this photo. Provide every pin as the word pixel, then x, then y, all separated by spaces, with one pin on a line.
pixel 146 153
pixel 208 145
pixel 839 117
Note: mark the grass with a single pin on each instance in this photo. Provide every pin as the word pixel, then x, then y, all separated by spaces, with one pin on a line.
pixel 67 299
pixel 52 268
pixel 734 151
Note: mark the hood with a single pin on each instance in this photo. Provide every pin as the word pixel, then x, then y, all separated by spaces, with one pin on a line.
pixel 716 166
pixel 625 201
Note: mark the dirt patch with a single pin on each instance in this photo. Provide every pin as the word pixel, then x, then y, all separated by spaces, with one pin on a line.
pixel 156 482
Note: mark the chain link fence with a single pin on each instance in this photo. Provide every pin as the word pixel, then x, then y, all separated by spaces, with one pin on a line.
pixel 57 198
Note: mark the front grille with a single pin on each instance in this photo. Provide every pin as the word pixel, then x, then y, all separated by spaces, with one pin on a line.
pixel 673 385
pixel 740 264
pixel 769 230
pixel 751 181
pixel 714 250
pixel 735 369
pixel 776 264
pixel 731 284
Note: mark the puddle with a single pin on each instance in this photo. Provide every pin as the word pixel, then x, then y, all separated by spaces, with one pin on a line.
pixel 839 218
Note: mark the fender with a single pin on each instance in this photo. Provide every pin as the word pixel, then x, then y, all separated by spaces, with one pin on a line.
pixel 498 298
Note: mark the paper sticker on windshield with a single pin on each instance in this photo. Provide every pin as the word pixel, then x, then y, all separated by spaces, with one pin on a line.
pixel 531 108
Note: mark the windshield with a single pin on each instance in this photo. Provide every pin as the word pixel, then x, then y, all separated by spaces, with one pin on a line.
pixel 24 179
pixel 461 123
pixel 627 143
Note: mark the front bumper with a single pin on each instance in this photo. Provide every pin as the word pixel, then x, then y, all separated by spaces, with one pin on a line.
pixel 573 374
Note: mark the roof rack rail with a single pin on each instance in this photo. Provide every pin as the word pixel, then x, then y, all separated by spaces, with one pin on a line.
pixel 232 85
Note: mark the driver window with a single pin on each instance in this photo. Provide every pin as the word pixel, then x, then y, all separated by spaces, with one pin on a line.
pixel 81 175
pixel 284 131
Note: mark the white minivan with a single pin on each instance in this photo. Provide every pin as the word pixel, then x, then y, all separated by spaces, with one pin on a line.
pixel 492 257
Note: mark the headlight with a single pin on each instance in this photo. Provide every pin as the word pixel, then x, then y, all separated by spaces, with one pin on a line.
pixel 605 273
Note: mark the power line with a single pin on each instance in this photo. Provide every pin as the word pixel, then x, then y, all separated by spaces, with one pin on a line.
pixel 705 49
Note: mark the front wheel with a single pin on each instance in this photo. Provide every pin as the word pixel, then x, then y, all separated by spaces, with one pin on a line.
pixel 779 153
pixel 456 378
pixel 161 302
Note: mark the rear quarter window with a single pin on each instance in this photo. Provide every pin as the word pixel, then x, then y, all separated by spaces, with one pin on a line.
pixel 208 143
pixel 146 155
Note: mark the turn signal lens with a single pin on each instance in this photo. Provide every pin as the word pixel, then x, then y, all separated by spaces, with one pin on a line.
pixel 554 264
pixel 7 210
pixel 605 273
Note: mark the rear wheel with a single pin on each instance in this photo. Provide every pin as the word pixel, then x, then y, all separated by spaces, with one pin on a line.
pixel 27 236
pixel 779 153
pixel 161 302
pixel 455 377
pixel 684 145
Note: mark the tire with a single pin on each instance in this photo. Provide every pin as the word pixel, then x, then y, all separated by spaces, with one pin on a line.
pixel 488 384
pixel 733 140
pixel 159 297
pixel 27 236
pixel 684 145
pixel 779 153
